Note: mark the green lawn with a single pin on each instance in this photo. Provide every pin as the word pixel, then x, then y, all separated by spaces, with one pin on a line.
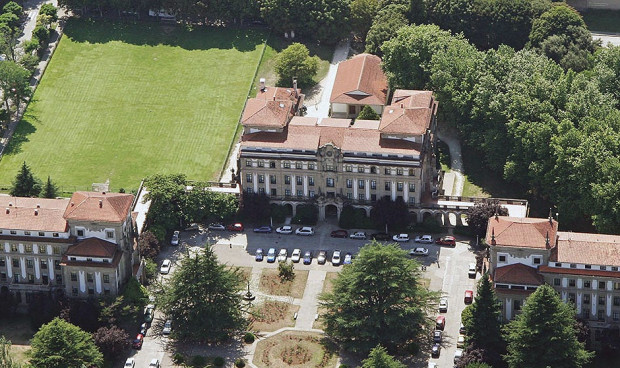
pixel 123 101
pixel 602 20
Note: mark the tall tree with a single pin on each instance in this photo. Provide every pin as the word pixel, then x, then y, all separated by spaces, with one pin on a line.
pixel 50 190
pixel 25 183
pixel 478 217
pixel 384 26
pixel 368 113
pixel 379 358
pixel 148 244
pixel 112 341
pixel 14 84
pixel 362 13
pixel 212 291
pixel 59 344
pixel 544 334
pixel 393 214
pixel 484 327
pixel 295 62
pixel 6 358
pixel 378 299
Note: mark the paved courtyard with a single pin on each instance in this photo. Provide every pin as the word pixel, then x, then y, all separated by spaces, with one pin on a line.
pixel 446 269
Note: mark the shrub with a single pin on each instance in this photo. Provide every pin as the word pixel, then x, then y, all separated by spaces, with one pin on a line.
pixel 352 217
pixel 198 361
pixel 240 363
pixel 150 269
pixel 286 271
pixel 219 361
pixel 29 62
pixel 249 338
pixel 49 10
pixel 178 358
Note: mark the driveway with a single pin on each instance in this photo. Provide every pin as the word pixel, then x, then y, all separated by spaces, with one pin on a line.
pixel 454 180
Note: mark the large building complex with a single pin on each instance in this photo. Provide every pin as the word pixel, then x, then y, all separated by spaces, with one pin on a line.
pixel 336 161
pixel 582 267
pixel 81 247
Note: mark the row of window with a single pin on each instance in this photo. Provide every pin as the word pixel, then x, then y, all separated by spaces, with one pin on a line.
pixel 30 263
pixel 28 248
pixel 501 258
pixel 30 277
pixel 587 298
pixel 329 182
pixel 585 314
pixel 249 178
pixel 109 234
pixel 90 277
pixel 91 291
pixel 347 168
pixel 589 267
pixel 587 284
pixel 28 233
pixel 287 192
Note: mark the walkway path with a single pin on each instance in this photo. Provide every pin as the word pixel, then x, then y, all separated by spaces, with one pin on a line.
pixel 456 175
pixel 318 104
pixel 310 301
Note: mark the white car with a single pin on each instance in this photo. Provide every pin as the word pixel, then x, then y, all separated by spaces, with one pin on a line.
pixel 130 363
pixel 218 227
pixel 458 354
pixel 167 328
pixel 460 342
pixel 472 271
pixel 284 230
pixel 401 238
pixel 306 230
pixel 443 305
pixel 432 365
pixel 154 363
pixel 175 238
pixel 165 267
pixel 282 255
pixel 424 239
pixel 419 252
pixel 296 255
pixel 336 258
pixel 358 235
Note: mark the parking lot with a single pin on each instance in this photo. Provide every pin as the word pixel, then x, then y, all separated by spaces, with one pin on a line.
pixel 446 269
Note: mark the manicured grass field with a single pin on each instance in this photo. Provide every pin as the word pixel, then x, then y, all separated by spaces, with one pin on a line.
pixel 124 101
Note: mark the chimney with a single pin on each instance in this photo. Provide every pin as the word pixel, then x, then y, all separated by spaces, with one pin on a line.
pixel 274 98
pixel 295 87
pixel 103 193
pixel 36 212
pixel 402 105
pixel 10 204
pixel 550 217
pixel 547 239
pixel 100 203
pixel 38 205
pixel 8 211
pixel 72 204
pixel 262 85
pixel 493 236
pixel 496 215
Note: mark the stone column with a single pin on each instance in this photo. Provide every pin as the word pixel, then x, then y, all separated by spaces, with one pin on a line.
pixel 82 278
pixel 50 268
pixel 367 189
pixel 98 282
pixel 37 270
pixel 393 190
pixel 355 189
pixel 305 185
pixel 9 266
pixel 267 184
pixel 22 263
pixel 255 182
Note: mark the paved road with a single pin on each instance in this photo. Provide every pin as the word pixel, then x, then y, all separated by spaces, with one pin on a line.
pixel 455 177
pixel 606 38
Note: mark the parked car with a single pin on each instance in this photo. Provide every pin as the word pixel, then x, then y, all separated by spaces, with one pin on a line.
pixel 218 227
pixel 358 235
pixel 175 238
pixel 401 238
pixel 437 336
pixel 472 271
pixel 143 328
pixel 306 230
pixel 130 363
pixel 307 257
pixel 154 363
pixel 348 258
pixel 192 227
pixel 336 258
pixel 446 240
pixel 469 296
pixel 167 328
pixel 462 329
pixel 443 305
pixel 435 350
pixel 423 239
pixel 284 230
pixel 419 252
pixel 432 365
pixel 259 255
pixel 282 255
pixel 296 255
pixel 440 322
pixel 380 236
pixel 263 229
pixel 137 342
pixel 339 233
pixel 458 354
pixel 460 341
pixel 322 257
pixel 165 267
pixel 235 227
pixel 271 255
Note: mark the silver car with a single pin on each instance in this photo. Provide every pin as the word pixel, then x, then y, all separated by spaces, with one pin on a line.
pixel 336 258
pixel 167 328
pixel 306 230
pixel 282 255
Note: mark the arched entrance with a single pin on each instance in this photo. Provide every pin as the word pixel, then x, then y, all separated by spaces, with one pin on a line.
pixel 289 209
pixel 331 211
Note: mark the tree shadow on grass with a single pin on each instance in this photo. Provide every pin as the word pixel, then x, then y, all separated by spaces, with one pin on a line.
pixel 153 34
pixel 21 135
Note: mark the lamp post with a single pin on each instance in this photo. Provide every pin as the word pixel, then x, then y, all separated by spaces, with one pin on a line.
pixel 249 296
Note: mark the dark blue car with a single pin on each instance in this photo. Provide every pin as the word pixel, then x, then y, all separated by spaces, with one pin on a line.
pixel 271 255
pixel 263 229
pixel 259 254
pixel 307 257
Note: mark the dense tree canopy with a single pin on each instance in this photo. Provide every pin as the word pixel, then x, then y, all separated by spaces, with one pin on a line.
pixel 295 62
pixel 478 217
pixel 544 335
pixel 393 214
pixel 112 341
pixel 384 26
pixel 25 183
pixel 379 358
pixel 377 300
pixel 59 344
pixel 14 82
pixel 6 356
pixel 203 299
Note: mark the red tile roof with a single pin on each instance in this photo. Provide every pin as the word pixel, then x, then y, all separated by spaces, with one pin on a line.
pixel 264 113
pixel 92 247
pixel 578 271
pixel 34 214
pixel 518 274
pixel 360 81
pixel 410 113
pixel 586 248
pixel 523 232
pixel 99 206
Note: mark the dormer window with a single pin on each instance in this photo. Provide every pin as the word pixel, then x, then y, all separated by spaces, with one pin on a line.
pixel 89 259
pixel 72 258
pixel 27 233
pixel 105 260
pixel 109 234
pixel 13 232
pixel 80 232
pixel 55 235
pixel 41 233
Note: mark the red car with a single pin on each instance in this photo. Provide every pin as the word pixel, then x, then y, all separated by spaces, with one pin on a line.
pixel 469 296
pixel 446 240
pixel 440 322
pixel 339 234
pixel 137 343
pixel 235 227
